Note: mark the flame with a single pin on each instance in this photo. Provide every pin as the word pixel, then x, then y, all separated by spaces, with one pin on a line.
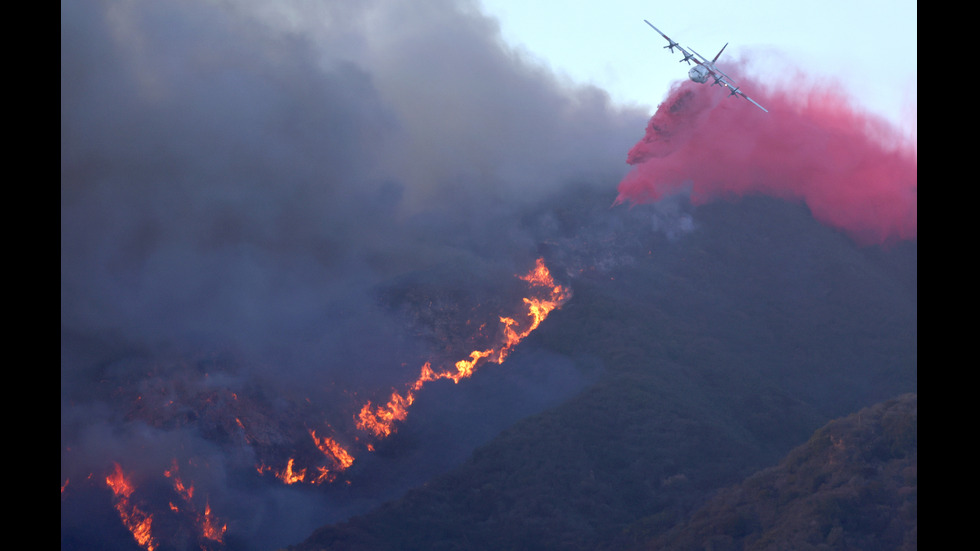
pixel 186 492
pixel 209 528
pixel 333 450
pixel 538 308
pixel 119 484
pixel 288 476
pixel 205 521
pixel 380 420
pixel 340 458
pixel 540 275
pixel 292 475
pixel 136 521
pixel 325 475
pixel 245 434
pixel 544 296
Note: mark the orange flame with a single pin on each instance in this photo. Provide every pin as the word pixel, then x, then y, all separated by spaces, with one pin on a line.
pixel 540 275
pixel 381 419
pixel 340 458
pixel 288 476
pixel 136 521
pixel 325 475
pixel 206 521
pixel 209 528
pixel 544 297
pixel 186 492
pixel 333 450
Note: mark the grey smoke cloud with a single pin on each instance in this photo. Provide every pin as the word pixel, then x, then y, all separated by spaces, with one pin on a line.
pixel 233 161
pixel 238 178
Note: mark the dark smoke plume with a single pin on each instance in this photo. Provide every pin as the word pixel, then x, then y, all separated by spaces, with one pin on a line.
pixel 248 192
pixel 854 171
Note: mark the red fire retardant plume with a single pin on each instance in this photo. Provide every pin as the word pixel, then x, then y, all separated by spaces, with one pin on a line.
pixel 853 170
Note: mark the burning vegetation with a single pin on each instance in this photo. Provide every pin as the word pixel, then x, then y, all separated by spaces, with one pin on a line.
pixel 172 507
pixel 138 522
pixel 546 296
pixel 182 515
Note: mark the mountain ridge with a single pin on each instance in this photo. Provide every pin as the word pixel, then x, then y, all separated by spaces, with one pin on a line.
pixel 852 485
pixel 720 351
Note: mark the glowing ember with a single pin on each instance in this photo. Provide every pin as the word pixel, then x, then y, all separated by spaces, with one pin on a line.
pixel 380 420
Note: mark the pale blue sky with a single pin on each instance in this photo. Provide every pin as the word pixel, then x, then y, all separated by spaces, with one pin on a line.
pixel 870 46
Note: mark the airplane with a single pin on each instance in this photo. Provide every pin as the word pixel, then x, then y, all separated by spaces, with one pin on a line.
pixel 703 69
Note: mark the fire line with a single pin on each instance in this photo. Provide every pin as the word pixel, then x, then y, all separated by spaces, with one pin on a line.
pixel 546 296
pixel 543 297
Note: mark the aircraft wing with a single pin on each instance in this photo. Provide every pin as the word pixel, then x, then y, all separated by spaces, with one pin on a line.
pixel 717 74
pixel 720 75
pixel 753 101
pixel 725 81
pixel 671 45
pixel 700 59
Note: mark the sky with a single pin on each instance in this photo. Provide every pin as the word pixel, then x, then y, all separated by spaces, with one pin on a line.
pixel 869 46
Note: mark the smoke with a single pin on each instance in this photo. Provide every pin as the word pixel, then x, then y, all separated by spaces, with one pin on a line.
pixel 854 171
pixel 219 175
pixel 244 187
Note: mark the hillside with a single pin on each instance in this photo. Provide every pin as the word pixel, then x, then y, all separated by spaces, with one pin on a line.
pixel 853 485
pixel 715 351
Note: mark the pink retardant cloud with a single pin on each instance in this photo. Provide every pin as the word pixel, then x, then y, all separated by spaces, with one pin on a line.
pixel 853 170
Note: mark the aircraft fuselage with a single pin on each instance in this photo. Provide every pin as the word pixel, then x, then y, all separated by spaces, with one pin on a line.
pixel 705 68
pixel 699 73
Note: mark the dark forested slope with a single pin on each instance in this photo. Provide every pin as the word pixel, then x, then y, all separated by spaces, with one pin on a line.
pixel 716 349
pixel 853 485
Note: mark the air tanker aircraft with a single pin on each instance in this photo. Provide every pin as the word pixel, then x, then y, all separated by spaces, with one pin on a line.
pixel 704 69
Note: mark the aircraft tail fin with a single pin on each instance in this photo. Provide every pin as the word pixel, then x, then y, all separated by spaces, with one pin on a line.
pixel 719 53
